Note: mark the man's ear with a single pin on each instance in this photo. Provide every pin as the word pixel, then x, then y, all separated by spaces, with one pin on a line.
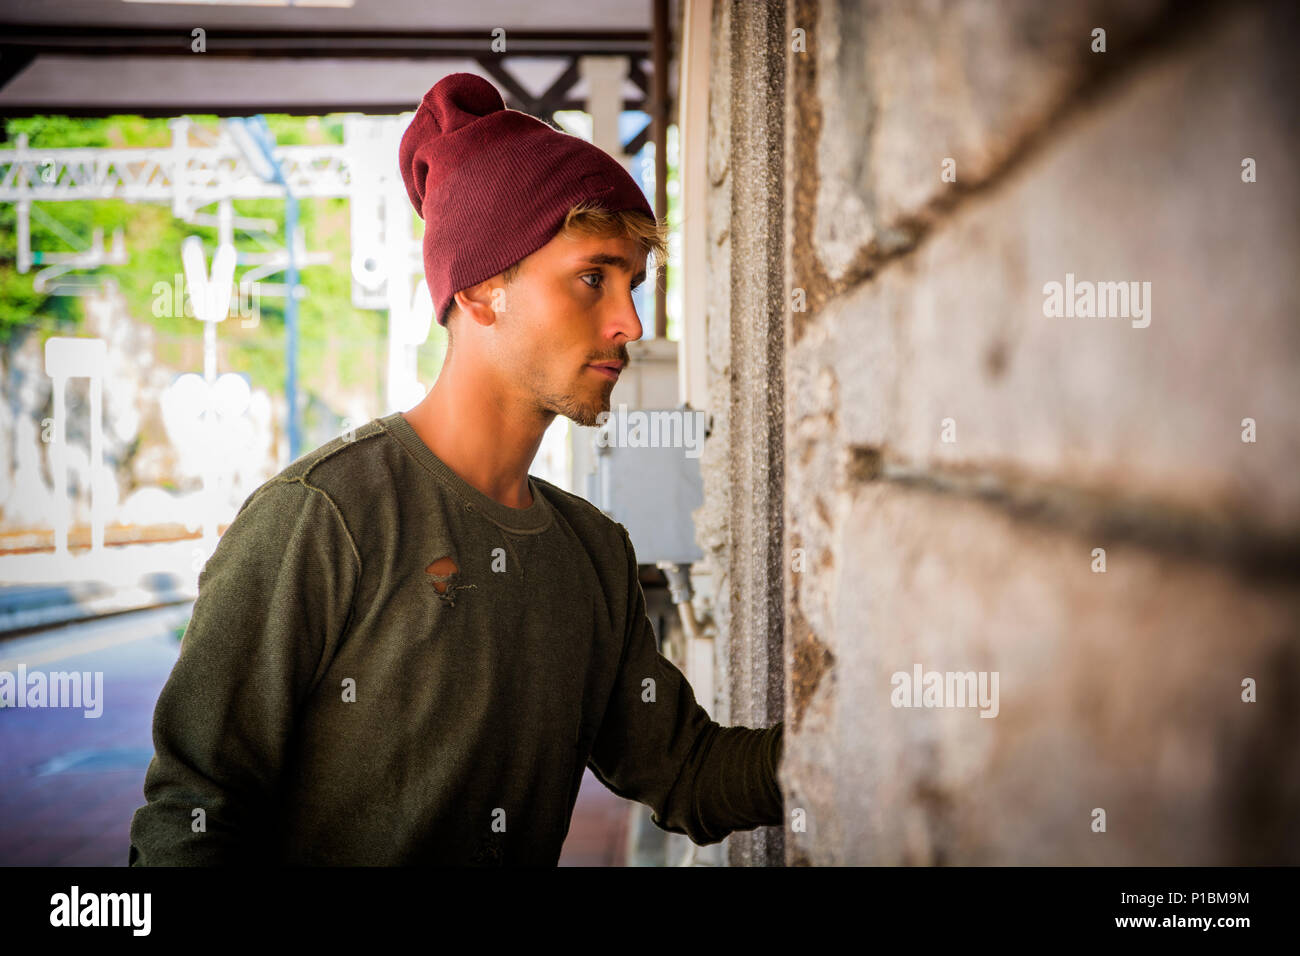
pixel 482 302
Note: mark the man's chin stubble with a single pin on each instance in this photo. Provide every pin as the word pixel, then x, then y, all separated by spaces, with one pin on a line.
pixel 588 413
pixel 582 413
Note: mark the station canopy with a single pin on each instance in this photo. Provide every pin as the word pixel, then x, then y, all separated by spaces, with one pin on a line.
pixel 312 57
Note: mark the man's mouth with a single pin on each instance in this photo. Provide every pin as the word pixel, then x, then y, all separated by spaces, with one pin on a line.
pixel 608 369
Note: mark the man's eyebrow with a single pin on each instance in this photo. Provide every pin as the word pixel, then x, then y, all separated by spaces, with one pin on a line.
pixel 605 259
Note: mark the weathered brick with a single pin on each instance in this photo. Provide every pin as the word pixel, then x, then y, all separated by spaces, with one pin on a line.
pixel 1144 185
pixel 904 85
pixel 1118 690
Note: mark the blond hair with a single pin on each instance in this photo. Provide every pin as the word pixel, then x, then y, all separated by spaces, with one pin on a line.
pixel 589 219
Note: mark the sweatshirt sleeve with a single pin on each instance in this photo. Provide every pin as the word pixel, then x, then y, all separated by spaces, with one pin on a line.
pixel 658 746
pixel 274 599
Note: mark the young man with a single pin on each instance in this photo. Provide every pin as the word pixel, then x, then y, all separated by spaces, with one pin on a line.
pixel 405 649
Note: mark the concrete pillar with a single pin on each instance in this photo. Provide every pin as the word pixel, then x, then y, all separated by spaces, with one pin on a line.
pixel 604 76
pixel 741 522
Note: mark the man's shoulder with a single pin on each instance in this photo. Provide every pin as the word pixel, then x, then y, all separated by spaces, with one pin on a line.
pixel 585 518
pixel 353 466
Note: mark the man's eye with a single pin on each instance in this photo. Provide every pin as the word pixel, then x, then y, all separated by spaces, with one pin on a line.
pixel 594 275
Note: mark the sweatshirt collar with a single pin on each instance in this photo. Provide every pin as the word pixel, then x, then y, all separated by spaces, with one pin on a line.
pixel 530 520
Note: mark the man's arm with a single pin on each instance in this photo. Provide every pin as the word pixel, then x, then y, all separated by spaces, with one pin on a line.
pixel 662 749
pixel 274 599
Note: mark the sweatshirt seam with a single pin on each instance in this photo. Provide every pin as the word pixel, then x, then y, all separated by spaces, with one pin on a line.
pixel 346 445
pixel 302 480
pixel 322 667
pixel 303 477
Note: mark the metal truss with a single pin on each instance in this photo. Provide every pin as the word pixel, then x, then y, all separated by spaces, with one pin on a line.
pixel 185 176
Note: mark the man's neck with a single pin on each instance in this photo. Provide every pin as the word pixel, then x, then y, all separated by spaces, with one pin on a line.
pixel 482 438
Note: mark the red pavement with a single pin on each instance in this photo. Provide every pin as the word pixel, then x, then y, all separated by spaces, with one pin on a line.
pixel 598 831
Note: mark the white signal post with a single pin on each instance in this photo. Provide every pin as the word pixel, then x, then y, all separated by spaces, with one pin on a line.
pixel 210 295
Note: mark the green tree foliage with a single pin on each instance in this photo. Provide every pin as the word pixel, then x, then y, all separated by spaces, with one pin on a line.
pixel 338 344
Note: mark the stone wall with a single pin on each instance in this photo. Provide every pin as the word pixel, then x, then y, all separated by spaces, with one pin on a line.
pixel 958 466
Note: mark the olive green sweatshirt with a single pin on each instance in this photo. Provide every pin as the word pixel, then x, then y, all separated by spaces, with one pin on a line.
pixel 345 694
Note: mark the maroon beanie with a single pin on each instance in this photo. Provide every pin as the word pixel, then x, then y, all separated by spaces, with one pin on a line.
pixel 493 185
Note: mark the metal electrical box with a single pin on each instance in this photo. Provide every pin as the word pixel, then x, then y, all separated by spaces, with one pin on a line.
pixel 647 477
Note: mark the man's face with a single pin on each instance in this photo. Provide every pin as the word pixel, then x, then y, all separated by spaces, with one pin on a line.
pixel 568 308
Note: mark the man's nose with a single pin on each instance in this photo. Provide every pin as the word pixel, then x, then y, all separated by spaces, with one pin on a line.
pixel 627 321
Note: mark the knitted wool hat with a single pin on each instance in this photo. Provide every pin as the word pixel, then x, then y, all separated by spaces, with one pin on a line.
pixel 493 185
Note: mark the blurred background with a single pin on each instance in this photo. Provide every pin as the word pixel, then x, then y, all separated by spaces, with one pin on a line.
pixel 208 267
